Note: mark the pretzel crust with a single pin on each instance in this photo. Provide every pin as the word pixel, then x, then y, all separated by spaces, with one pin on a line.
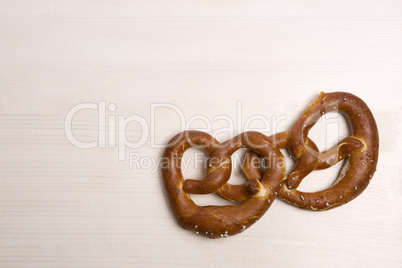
pixel 360 152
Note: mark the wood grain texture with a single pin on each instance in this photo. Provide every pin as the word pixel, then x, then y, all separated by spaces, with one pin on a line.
pixel 62 206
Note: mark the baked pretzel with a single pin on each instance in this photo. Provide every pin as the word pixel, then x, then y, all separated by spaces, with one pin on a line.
pixel 360 151
pixel 219 221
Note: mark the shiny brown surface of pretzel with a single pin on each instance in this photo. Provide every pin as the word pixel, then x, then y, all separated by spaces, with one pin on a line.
pixel 360 151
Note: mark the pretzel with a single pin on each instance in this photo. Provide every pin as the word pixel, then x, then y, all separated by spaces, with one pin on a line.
pixel 360 151
pixel 219 221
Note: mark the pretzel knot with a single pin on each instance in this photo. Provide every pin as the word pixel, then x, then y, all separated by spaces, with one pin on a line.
pixel 264 167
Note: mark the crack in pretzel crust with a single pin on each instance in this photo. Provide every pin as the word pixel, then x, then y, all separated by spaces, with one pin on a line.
pixel 253 198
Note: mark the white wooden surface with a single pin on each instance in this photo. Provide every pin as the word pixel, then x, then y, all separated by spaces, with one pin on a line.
pixel 62 206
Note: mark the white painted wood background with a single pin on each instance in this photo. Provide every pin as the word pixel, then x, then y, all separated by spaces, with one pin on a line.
pixel 62 206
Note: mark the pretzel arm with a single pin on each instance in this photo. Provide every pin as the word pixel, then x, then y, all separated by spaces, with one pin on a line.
pixel 349 146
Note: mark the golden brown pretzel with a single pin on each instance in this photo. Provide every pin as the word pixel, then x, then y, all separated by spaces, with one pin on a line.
pixel 360 152
pixel 218 221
